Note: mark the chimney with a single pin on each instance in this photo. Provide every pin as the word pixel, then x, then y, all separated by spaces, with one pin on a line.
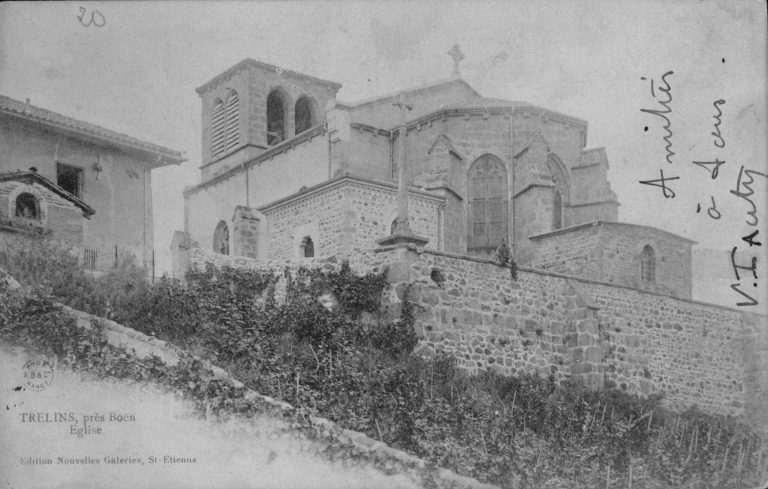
pixel 28 107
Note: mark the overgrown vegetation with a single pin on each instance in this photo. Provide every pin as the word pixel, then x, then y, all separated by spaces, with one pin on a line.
pixel 352 366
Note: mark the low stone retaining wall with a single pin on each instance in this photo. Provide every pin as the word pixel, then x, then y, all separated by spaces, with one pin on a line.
pixel 568 327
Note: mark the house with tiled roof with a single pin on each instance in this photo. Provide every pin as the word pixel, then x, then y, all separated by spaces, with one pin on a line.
pixel 79 182
pixel 288 171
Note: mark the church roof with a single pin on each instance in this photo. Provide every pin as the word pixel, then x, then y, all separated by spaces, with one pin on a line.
pixel 25 111
pixel 248 62
pixel 490 102
pixel 347 178
pixel 30 177
pixel 576 227
pixel 412 90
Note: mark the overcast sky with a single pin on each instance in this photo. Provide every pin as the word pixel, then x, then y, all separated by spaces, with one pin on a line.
pixel 138 73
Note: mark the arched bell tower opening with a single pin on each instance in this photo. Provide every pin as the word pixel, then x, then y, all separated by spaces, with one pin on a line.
pixel 275 118
pixel 305 116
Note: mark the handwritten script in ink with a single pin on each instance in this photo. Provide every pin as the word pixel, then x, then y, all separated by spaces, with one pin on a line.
pixel 752 220
pixel 745 268
pixel 666 90
pixel 97 19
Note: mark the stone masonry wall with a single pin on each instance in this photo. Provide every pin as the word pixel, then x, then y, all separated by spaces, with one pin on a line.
pixel 473 309
pixel 245 229
pixel 553 324
pixel 323 208
pixel 349 216
pixel 694 353
pixel 610 252
pixel 567 327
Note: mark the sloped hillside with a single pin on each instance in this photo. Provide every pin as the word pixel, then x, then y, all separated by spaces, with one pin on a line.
pixel 344 360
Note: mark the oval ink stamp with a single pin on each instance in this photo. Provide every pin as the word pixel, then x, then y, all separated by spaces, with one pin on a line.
pixel 37 374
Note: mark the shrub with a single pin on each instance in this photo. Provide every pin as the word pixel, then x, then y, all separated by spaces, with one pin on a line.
pixel 522 431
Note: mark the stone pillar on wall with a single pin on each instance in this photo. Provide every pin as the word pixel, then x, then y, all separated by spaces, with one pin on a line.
pixel 533 208
pixel 583 338
pixel 400 275
pixel 180 246
pixel 245 232
pixel 339 138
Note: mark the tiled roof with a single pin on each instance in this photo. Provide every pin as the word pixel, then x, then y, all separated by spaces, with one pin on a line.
pixel 22 110
pixel 259 64
pixel 30 177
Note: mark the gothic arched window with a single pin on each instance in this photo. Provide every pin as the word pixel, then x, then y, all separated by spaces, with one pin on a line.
pixel 275 118
pixel 560 198
pixel 27 206
pixel 304 115
pixel 221 238
pixel 487 203
pixel 648 265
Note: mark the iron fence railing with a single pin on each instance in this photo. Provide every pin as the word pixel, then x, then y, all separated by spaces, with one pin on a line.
pixel 103 256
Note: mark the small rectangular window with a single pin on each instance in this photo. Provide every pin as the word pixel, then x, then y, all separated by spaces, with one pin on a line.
pixel 70 178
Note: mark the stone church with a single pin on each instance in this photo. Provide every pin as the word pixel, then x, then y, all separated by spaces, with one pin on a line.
pixel 290 172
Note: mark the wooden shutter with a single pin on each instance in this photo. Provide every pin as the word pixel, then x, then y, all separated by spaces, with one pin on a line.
pixel 233 121
pixel 218 142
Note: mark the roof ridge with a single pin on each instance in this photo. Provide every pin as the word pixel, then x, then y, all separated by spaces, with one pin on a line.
pixel 443 81
pixel 40 114
pixel 250 61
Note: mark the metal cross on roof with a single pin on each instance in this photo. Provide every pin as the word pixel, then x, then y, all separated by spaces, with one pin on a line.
pixel 457 56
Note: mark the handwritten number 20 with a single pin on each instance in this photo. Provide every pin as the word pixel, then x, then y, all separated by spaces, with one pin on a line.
pixel 97 21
